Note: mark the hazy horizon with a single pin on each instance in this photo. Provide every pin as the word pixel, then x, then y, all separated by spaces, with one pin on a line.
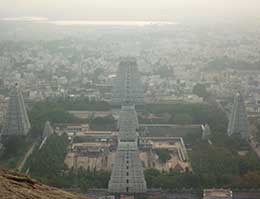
pixel 132 10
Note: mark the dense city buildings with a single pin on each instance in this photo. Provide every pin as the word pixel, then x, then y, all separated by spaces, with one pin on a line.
pixel 169 66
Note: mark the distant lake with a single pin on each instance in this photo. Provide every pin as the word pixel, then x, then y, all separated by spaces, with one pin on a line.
pixel 88 22
pixel 112 23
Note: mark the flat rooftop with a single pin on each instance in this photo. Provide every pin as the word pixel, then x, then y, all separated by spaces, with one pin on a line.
pixel 220 193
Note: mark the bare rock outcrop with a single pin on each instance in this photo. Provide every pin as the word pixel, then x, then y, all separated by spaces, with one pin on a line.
pixel 18 186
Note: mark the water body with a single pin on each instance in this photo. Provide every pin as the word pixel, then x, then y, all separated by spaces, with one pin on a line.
pixel 88 22
pixel 112 23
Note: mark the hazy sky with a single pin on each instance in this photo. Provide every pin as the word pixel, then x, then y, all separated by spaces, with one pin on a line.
pixel 131 9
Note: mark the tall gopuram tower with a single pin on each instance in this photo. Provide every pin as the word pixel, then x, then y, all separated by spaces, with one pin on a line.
pixel 238 121
pixel 16 121
pixel 127 174
pixel 129 78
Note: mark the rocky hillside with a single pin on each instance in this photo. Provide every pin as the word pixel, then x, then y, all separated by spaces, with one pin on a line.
pixel 17 186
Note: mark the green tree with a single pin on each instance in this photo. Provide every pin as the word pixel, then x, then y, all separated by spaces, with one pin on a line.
pixel 103 123
pixel 163 154
pixel 200 90
pixel 182 118
pixel 13 145
pixel 48 162
pixel 48 111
